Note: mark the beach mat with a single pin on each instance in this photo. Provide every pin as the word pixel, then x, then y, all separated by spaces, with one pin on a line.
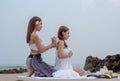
pixel 81 77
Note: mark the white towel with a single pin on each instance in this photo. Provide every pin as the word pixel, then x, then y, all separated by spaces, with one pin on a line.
pixel 32 77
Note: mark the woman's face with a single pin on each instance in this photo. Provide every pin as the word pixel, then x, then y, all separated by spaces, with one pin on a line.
pixel 66 35
pixel 39 26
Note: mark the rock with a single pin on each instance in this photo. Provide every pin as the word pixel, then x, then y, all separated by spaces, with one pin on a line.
pixel 20 70
pixel 94 64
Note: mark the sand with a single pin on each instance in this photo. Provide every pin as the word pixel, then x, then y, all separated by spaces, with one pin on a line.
pixel 14 77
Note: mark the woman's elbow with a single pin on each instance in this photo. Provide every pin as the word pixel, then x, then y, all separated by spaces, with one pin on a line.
pixel 61 56
pixel 40 51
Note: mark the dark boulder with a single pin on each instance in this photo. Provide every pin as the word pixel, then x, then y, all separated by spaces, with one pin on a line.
pixel 94 64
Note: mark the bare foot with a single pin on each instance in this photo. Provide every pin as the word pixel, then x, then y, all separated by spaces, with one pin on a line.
pixel 80 71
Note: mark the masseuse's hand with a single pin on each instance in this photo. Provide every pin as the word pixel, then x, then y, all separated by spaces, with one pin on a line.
pixel 54 39
pixel 70 53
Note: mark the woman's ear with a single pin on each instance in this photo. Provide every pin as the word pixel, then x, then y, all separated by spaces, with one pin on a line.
pixel 36 25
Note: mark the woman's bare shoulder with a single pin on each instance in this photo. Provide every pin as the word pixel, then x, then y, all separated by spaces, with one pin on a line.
pixel 60 41
pixel 34 36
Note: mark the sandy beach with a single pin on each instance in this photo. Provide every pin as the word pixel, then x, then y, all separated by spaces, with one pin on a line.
pixel 14 77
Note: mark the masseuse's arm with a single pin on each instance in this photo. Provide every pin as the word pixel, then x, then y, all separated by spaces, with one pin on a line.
pixel 40 47
pixel 60 48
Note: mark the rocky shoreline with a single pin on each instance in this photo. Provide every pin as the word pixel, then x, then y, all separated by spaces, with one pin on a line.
pixel 13 71
pixel 112 62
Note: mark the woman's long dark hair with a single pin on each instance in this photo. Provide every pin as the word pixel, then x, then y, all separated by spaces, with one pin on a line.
pixel 31 26
pixel 60 35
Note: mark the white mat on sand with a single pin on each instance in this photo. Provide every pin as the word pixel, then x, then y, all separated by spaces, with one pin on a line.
pixel 32 77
